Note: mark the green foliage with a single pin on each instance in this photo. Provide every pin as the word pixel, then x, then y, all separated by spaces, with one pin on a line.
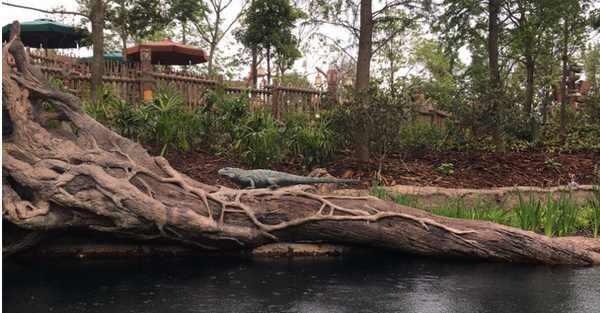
pixel 582 133
pixel 594 206
pixel 528 214
pixel 559 217
pixel 420 137
pixel 268 25
pixel 552 164
pixel 258 139
pixel 400 199
pixel 166 121
pixel 445 169
pixel 481 210
pixel 310 139
pixel 116 114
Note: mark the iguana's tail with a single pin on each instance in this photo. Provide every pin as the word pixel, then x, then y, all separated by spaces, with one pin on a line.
pixel 326 180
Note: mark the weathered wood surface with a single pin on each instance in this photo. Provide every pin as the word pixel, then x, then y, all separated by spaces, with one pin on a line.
pixel 92 178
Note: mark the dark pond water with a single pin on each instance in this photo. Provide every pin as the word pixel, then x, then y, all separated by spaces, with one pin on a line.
pixel 358 284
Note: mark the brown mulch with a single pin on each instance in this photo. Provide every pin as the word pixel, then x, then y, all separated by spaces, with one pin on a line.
pixel 471 170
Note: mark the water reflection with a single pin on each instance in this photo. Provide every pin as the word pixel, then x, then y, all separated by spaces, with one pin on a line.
pixel 375 284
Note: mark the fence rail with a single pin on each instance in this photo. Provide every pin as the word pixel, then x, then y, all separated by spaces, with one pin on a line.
pixel 126 81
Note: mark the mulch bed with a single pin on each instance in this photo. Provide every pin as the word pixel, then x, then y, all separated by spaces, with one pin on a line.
pixel 471 170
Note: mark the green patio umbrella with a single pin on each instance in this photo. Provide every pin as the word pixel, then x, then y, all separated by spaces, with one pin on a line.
pixel 49 34
pixel 109 56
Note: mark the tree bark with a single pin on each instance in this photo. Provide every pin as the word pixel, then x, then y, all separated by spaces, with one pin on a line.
pixel 564 97
pixel 94 179
pixel 253 67
pixel 495 97
pixel 363 77
pixel 529 86
pixel 97 19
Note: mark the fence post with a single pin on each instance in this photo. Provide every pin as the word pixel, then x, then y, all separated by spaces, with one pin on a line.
pixel 275 99
pixel 147 80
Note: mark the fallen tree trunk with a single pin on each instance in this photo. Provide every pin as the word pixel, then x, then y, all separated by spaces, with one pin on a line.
pixel 83 175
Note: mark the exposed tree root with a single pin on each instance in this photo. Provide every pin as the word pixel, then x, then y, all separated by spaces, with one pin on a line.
pixel 95 179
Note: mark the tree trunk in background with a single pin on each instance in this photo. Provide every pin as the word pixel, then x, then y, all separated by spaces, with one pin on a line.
pixel 269 66
pixel 363 77
pixel 95 180
pixel 253 69
pixel 211 55
pixel 529 87
pixel 564 97
pixel 97 19
pixel 494 69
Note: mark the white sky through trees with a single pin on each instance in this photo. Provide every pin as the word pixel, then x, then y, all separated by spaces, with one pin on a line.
pixel 319 55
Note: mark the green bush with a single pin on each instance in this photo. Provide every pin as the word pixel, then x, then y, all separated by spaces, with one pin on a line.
pixel 169 123
pixel 310 139
pixel 420 137
pixel 258 139
pixel 165 121
pixel 116 114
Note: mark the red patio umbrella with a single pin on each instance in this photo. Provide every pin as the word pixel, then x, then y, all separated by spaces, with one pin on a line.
pixel 167 52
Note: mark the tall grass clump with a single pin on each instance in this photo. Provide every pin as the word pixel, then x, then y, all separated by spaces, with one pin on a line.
pixel 398 198
pixel 528 214
pixel 559 217
pixel 594 205
pixel 456 208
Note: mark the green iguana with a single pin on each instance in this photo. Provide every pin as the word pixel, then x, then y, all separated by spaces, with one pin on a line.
pixel 275 179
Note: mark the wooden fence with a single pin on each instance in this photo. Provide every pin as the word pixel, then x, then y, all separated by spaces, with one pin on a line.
pixel 127 81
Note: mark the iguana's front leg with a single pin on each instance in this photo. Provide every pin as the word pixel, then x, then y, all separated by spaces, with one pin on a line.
pixel 252 184
pixel 272 183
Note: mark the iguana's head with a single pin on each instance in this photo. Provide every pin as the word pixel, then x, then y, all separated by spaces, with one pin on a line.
pixel 230 172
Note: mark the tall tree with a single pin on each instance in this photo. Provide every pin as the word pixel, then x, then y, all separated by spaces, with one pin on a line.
pixel 97 19
pixel 572 25
pixel 214 25
pixel 361 19
pixel 532 27
pixel 267 26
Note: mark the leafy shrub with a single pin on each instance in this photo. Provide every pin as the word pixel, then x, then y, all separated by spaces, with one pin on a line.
pixel 445 169
pixel 420 137
pixel 165 121
pixel 258 140
pixel 169 123
pixel 310 139
pixel 116 114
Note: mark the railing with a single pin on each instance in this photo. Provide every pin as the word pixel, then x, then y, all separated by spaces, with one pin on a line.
pixel 125 80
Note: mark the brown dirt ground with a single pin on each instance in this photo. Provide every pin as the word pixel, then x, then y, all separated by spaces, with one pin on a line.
pixel 471 170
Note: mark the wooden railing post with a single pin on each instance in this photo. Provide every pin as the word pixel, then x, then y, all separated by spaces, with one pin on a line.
pixel 275 99
pixel 147 80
